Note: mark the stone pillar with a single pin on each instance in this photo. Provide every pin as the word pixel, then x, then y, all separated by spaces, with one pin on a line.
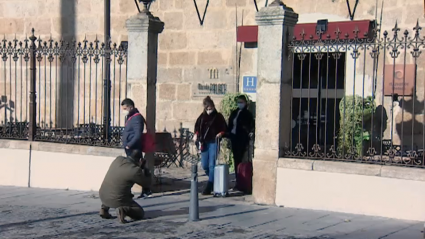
pixel 143 30
pixel 274 92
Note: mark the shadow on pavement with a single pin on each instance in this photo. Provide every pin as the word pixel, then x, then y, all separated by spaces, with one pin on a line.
pixel 4 226
pixel 182 211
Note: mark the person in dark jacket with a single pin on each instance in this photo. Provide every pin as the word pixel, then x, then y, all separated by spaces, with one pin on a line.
pixel 133 130
pixel 134 127
pixel 115 191
pixel 241 128
pixel 209 127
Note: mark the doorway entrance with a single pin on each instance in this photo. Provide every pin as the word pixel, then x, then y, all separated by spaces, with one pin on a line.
pixel 318 87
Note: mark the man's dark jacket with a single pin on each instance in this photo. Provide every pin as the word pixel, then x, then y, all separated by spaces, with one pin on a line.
pixel 134 127
pixel 122 175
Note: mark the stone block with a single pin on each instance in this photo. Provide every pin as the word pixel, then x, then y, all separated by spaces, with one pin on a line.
pixel 184 92
pixel 347 168
pixel 83 7
pixel 12 25
pixel 211 58
pixel 172 40
pixel 164 111
pixel 302 164
pixel 166 5
pixel 173 20
pixel 215 19
pixel 264 181
pixel 187 111
pixel 182 58
pixel 22 9
pixel 41 26
pixel 415 12
pixel 118 24
pixel 233 3
pixel 169 75
pixel 415 174
pixel 90 24
pixel 163 58
pixel 167 91
pixel 127 7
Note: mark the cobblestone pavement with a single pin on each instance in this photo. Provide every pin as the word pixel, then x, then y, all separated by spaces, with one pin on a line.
pixel 43 213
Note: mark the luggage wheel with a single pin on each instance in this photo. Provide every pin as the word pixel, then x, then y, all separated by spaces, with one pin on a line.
pixel 223 195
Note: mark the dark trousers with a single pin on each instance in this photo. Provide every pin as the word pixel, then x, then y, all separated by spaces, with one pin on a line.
pixel 239 147
pixel 134 211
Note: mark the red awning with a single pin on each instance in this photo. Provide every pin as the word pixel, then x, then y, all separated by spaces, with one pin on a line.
pixel 347 28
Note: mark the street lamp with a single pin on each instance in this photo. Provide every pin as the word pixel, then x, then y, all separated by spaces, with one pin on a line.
pixel 147 4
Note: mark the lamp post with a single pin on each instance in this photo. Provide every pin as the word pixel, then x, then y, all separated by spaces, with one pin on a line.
pixel 107 74
pixel 146 3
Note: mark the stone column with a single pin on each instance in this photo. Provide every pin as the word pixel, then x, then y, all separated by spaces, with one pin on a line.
pixel 143 30
pixel 274 92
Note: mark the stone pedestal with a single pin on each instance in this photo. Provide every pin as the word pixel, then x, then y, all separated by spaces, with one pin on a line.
pixel 274 92
pixel 143 30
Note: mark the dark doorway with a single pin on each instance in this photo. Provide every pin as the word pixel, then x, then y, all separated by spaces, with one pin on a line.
pixel 318 87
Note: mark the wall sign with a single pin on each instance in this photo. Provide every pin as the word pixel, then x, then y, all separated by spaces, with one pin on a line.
pixel 250 84
pixel 212 89
pixel 402 77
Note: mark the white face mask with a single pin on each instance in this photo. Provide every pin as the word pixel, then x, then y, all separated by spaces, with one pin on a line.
pixel 241 105
pixel 125 112
pixel 209 111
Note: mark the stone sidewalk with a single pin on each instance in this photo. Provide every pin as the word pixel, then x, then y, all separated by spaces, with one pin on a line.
pixel 43 213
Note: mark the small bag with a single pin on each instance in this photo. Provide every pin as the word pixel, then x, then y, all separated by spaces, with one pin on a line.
pixel 148 142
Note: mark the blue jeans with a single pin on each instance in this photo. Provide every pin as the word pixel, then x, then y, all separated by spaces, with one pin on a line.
pixel 208 157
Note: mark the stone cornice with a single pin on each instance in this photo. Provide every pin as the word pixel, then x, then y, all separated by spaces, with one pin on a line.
pixel 145 22
pixel 276 14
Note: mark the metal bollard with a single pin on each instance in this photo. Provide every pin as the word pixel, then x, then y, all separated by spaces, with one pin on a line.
pixel 194 202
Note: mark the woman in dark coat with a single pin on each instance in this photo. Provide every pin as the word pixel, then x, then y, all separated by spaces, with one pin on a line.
pixel 241 128
pixel 209 127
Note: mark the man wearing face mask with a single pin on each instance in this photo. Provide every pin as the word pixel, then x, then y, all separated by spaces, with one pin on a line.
pixel 241 128
pixel 132 134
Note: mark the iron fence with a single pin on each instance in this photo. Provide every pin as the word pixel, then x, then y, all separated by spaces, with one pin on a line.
pixel 59 91
pixel 358 97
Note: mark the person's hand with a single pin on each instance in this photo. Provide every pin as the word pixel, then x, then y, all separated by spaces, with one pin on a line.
pixel 126 147
pixel 219 136
pixel 195 137
pixel 251 135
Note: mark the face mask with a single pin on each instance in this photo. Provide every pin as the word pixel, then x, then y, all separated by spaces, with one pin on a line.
pixel 241 105
pixel 125 112
pixel 209 111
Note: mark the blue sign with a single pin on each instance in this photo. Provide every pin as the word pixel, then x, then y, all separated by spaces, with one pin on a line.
pixel 250 84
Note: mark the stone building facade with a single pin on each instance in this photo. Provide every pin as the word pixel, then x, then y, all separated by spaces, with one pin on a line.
pixel 191 56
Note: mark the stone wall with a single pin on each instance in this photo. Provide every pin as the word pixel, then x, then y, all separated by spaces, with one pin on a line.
pixel 187 50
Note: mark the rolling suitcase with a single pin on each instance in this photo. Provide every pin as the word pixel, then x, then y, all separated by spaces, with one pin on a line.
pixel 221 176
pixel 245 171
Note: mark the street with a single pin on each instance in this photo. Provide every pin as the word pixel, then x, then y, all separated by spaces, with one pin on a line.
pixel 46 213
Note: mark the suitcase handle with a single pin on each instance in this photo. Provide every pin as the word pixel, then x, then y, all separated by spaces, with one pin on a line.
pixel 217 153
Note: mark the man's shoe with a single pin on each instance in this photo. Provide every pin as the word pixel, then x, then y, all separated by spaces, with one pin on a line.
pixel 105 214
pixel 121 215
pixel 146 194
pixel 208 189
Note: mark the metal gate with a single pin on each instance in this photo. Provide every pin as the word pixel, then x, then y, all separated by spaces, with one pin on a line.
pixel 359 96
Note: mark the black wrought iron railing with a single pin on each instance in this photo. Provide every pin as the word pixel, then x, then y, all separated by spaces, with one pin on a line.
pixel 359 97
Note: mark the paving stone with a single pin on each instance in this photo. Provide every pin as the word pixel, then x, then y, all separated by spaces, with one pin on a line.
pixel 43 213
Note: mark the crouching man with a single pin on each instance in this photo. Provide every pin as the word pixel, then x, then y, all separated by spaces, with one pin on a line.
pixel 115 191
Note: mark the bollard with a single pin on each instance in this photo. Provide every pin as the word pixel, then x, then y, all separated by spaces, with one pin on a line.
pixel 194 202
